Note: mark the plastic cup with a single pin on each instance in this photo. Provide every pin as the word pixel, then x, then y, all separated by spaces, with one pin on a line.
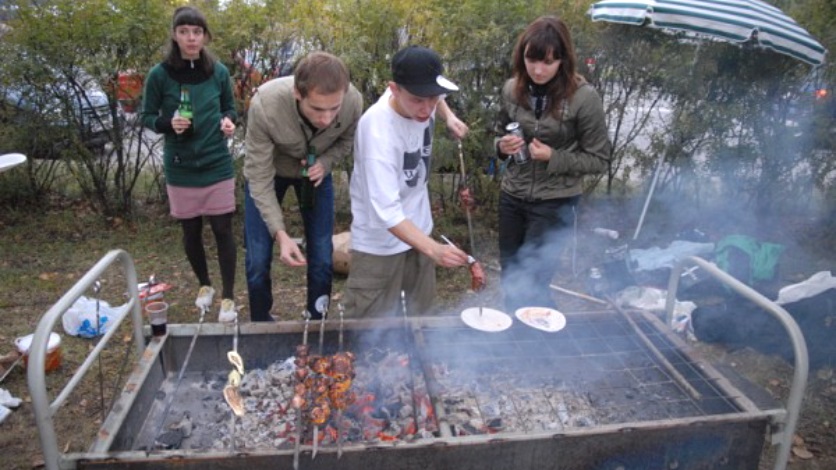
pixel 158 317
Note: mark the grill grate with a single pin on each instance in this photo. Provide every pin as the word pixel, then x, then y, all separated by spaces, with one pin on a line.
pixel 594 372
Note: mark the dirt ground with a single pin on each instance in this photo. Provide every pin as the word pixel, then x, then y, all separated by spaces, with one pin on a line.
pixel 43 253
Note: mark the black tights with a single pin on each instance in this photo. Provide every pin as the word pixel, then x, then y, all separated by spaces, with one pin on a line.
pixel 193 243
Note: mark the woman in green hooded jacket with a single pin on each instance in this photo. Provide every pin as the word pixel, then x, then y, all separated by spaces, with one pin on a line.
pixel 188 98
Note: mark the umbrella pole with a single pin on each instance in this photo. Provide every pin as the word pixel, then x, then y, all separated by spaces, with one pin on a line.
pixel 649 194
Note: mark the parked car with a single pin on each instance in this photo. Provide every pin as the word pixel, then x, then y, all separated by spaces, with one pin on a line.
pixel 72 105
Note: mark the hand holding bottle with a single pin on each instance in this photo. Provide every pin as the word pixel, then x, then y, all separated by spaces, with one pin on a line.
pixel 179 123
pixel 316 173
pixel 182 120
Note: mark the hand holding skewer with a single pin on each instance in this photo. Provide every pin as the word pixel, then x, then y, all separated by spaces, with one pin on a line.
pixel 477 272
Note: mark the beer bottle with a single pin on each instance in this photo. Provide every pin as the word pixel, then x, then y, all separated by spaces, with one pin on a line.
pixel 308 191
pixel 185 108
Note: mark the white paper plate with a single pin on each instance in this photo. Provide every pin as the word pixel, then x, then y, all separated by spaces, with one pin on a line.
pixel 489 320
pixel 542 318
pixel 11 160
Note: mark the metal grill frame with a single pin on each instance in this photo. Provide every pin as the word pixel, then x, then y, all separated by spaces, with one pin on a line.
pixel 730 440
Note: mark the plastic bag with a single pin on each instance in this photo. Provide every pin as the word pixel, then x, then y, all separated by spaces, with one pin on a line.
pixel 80 319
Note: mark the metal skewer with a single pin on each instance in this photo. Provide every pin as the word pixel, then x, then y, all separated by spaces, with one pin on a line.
pixel 466 206
pixel 235 349
pixel 340 410
pixel 97 288
pixel 300 411
pixel 470 258
pixel 408 334
pixel 322 308
pixel 179 376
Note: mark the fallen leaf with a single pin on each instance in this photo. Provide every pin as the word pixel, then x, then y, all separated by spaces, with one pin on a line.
pixel 802 453
pixel 797 440
pixel 38 462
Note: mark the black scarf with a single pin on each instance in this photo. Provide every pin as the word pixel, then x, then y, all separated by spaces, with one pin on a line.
pixel 539 98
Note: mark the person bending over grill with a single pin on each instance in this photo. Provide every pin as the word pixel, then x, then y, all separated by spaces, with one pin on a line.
pixel 298 128
pixel 564 138
pixel 392 250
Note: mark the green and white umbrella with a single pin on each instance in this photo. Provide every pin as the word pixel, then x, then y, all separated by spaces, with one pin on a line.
pixel 728 20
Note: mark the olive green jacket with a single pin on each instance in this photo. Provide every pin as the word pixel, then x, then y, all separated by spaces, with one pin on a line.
pixel 579 141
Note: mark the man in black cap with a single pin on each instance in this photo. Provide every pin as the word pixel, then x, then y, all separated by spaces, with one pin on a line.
pixel 392 250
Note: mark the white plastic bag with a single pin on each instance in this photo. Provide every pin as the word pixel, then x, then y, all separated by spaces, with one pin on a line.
pixel 80 319
pixel 815 285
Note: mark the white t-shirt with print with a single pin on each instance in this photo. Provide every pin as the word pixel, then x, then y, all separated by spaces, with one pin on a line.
pixel 389 183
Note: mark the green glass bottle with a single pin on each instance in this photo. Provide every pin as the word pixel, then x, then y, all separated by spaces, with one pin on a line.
pixel 307 196
pixel 185 108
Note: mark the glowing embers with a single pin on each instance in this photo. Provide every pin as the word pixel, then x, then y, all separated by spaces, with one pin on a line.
pixel 383 400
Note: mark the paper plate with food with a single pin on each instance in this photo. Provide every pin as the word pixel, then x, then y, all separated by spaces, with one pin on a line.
pixel 486 319
pixel 542 318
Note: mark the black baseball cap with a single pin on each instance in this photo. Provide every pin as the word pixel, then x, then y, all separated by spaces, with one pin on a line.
pixel 419 70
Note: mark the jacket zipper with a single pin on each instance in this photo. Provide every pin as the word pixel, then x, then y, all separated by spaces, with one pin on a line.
pixel 533 166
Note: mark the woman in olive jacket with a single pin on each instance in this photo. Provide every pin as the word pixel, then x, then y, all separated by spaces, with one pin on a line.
pixel 564 138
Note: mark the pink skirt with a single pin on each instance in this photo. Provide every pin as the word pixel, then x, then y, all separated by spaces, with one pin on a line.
pixel 188 203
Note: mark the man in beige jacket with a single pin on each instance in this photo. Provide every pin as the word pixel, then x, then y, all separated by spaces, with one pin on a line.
pixel 308 117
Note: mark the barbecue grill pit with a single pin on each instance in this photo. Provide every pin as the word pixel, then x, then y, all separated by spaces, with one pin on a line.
pixel 590 396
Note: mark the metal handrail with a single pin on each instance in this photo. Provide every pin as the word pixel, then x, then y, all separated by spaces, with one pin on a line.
pixel 36 375
pixel 802 364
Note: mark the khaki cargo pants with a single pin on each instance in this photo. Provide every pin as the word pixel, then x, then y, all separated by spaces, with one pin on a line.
pixel 374 284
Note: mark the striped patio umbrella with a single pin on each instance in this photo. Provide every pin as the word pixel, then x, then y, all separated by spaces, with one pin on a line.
pixel 728 20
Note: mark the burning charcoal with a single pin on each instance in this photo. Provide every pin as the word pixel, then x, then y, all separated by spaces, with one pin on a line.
pixel 495 424
pixel 299 402
pixel 169 440
pixel 381 413
pixel 406 411
pixel 375 355
pixel 185 425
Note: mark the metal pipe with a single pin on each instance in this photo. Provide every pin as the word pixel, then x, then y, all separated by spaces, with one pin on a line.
pixel 802 365
pixel 578 294
pixel 649 194
pixel 41 406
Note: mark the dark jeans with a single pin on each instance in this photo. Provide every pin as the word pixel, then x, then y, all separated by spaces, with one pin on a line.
pixel 531 236
pixel 319 228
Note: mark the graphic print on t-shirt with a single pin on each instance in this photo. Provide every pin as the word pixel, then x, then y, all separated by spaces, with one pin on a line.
pixel 415 162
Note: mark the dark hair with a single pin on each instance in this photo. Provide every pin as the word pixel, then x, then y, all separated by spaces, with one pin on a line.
pixel 191 16
pixel 546 36
pixel 321 72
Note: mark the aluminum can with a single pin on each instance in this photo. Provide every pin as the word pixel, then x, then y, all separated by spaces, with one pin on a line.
pixel 522 156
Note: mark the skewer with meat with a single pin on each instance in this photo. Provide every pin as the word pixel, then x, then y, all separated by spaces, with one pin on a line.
pixel 477 275
pixel 478 281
